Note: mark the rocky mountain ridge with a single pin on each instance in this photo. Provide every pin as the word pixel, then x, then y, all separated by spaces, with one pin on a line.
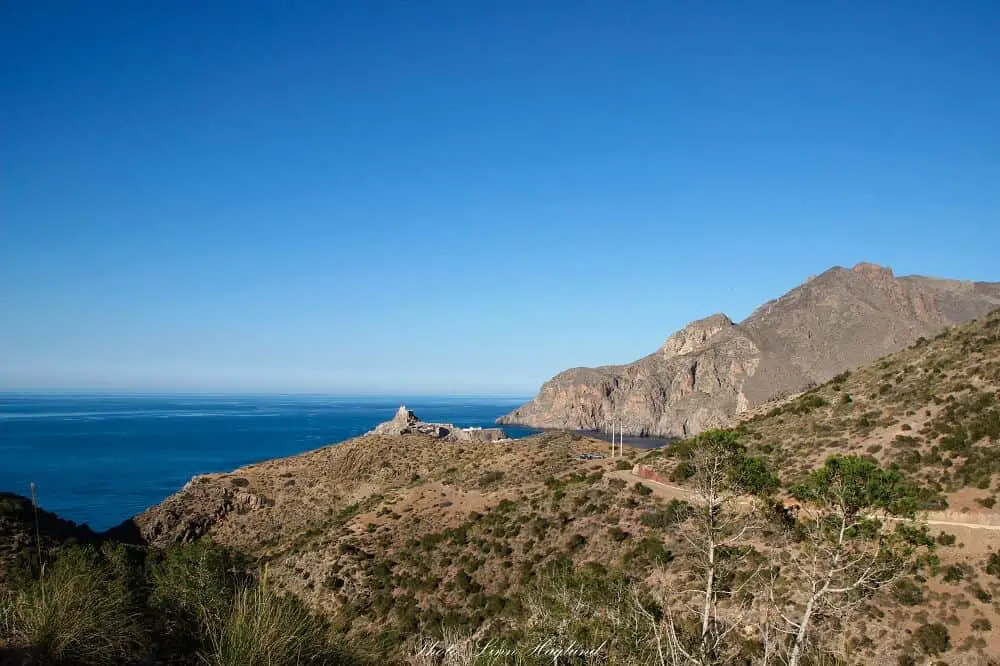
pixel 713 369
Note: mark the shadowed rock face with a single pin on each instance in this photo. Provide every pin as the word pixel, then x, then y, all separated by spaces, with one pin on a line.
pixel 21 535
pixel 713 369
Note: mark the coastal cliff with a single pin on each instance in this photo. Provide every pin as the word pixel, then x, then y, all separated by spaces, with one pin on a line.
pixel 711 371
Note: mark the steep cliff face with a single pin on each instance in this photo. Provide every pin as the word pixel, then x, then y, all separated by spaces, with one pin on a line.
pixel 713 369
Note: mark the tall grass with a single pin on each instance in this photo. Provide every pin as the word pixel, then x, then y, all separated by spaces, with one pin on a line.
pixel 187 604
pixel 263 628
pixel 78 611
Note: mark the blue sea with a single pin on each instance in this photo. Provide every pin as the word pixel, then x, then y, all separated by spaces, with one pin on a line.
pixel 99 459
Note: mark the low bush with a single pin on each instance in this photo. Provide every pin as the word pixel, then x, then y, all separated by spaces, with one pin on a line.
pixel 676 511
pixel 907 592
pixel 617 534
pixel 682 472
pixel 987 502
pixel 953 574
pixel 981 624
pixel 993 565
pixel 945 539
pixel 490 477
pixel 932 639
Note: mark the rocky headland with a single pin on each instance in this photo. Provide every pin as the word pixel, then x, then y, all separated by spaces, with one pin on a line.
pixel 405 422
pixel 713 370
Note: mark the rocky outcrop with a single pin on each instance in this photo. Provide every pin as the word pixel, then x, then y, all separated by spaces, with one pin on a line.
pixel 189 514
pixel 407 423
pixel 712 370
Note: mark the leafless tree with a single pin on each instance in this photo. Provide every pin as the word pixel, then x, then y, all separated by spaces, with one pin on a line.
pixel 841 553
pixel 716 534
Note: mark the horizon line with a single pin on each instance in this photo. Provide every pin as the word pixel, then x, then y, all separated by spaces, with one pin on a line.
pixel 214 392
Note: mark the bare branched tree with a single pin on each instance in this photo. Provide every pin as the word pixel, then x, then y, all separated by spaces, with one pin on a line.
pixel 725 515
pixel 842 551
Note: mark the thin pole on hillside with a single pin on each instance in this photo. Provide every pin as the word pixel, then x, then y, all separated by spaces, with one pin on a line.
pixel 38 533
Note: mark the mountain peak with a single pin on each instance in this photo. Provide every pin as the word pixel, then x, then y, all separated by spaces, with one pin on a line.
pixel 869 269
pixel 696 335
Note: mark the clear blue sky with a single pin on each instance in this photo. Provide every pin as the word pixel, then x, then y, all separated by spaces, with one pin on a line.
pixel 464 196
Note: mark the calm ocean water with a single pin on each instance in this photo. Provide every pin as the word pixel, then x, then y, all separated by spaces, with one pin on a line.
pixel 99 459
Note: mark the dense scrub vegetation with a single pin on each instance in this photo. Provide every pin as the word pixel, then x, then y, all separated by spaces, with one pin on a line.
pixel 188 604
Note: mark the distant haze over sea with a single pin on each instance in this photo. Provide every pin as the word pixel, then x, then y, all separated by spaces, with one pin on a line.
pixel 100 458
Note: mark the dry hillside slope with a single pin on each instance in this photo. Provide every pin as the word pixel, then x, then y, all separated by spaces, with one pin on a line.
pixel 396 537
pixel 933 409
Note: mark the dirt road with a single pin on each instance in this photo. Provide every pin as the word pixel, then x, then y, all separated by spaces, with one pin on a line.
pixel 668 491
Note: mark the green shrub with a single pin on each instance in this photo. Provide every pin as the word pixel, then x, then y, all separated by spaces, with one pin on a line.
pixel 841 378
pixel 932 639
pixel 981 624
pixel 993 565
pixel 466 584
pixel 908 592
pixel 189 585
pixel 944 539
pixel 682 472
pixel 649 551
pixel 617 534
pixel 490 478
pixel 11 507
pixel 979 593
pixel 80 610
pixel 642 489
pixel 623 464
pixel 806 404
pixel 676 511
pixel 953 574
